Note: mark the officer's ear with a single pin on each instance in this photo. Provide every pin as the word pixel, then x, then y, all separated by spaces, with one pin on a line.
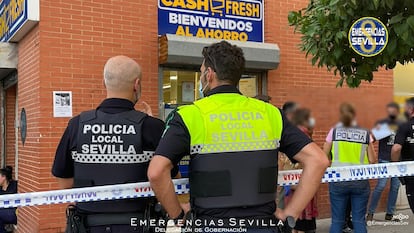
pixel 137 84
pixel 210 74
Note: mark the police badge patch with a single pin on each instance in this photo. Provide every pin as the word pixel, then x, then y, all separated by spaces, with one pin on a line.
pixel 117 192
pixel 402 168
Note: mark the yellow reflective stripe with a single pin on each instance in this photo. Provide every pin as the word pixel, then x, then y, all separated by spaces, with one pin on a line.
pixel 235 147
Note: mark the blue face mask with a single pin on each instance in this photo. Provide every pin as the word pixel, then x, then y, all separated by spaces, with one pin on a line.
pixel 200 88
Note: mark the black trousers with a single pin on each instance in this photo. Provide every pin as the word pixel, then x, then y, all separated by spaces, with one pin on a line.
pixel 409 190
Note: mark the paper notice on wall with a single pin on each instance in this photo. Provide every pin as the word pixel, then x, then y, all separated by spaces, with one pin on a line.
pixel 247 87
pixel 187 92
pixel 62 104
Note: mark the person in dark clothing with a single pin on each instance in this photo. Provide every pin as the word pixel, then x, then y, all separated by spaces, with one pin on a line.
pixel 8 186
pixel 403 148
pixel 306 223
pixel 284 163
pixel 289 109
pixel 384 156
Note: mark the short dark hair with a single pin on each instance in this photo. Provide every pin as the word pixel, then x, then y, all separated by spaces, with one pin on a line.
pixel 264 98
pixel 289 106
pixel 7 172
pixel 301 116
pixel 410 101
pixel 226 60
pixel 393 105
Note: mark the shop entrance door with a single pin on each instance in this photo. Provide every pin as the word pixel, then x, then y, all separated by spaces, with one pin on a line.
pixel 9 122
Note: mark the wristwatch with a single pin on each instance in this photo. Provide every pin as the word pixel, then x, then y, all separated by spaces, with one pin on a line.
pixel 291 222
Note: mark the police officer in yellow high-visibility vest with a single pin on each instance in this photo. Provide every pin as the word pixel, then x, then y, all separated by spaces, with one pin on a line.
pixel 349 145
pixel 233 141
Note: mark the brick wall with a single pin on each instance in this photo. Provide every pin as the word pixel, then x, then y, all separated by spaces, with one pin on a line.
pixel 29 154
pixel 296 80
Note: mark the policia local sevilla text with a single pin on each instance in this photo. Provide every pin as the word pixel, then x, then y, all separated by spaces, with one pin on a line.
pixel 108 139
pixel 239 121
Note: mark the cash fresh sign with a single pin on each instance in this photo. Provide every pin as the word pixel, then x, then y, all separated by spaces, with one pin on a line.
pixel 240 20
pixel 17 17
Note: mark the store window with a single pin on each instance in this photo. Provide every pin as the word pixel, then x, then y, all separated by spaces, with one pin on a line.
pixel 181 87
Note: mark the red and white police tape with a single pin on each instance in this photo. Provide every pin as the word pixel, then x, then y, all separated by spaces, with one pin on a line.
pixel 137 190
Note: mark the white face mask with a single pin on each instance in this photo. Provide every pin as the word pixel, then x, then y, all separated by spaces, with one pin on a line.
pixel 200 88
pixel 354 123
pixel 312 122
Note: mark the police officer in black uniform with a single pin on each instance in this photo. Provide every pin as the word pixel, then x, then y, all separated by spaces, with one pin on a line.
pixel 112 144
pixel 403 148
pixel 221 196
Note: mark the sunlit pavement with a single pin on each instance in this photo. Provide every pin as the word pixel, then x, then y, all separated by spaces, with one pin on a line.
pixel 379 225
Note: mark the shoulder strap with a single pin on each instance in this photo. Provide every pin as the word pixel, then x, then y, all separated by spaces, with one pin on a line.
pixel 87 116
pixel 135 116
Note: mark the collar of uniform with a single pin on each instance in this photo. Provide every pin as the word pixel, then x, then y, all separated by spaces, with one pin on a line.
pixel 116 104
pixel 223 89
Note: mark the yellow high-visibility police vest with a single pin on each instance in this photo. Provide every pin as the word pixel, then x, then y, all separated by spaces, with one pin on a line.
pixel 349 146
pixel 234 145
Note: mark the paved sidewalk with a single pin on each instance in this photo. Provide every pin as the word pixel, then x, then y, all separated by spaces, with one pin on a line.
pixel 379 225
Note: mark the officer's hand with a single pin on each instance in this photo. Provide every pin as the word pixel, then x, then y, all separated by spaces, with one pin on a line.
pixel 283 224
pixel 283 215
pixel 146 109
pixel 280 214
pixel 186 207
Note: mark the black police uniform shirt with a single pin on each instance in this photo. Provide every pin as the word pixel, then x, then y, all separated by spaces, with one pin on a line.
pixel 152 129
pixel 11 188
pixel 385 144
pixel 405 138
pixel 175 144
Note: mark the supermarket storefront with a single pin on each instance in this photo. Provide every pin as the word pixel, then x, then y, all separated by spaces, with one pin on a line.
pixel 185 27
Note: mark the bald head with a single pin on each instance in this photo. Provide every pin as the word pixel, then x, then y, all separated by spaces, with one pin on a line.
pixel 120 74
